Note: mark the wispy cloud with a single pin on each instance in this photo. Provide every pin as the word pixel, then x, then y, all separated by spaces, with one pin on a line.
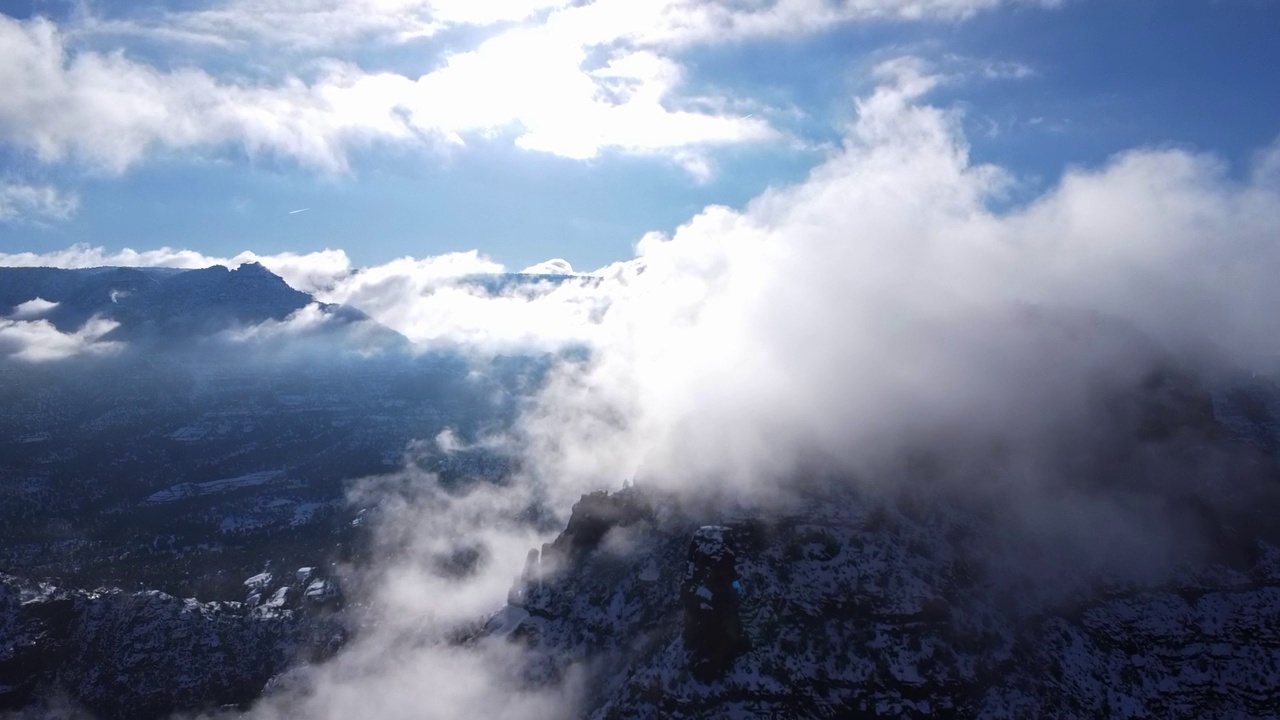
pixel 309 26
pixel 573 80
pixel 319 25
pixel 34 203
pixel 110 111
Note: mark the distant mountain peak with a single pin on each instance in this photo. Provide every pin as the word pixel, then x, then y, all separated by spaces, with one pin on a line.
pixel 181 303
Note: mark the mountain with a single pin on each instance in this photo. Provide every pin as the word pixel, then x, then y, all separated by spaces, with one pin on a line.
pixel 167 304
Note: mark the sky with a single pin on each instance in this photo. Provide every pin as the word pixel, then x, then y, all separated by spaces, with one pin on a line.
pixel 538 129
pixel 825 234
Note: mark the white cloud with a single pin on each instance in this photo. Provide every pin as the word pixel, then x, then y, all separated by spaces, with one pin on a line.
pixel 37 341
pixel 111 111
pixel 309 272
pixel 680 23
pixel 32 309
pixel 82 256
pixel 1007 70
pixel 25 202
pixel 305 25
pixel 575 80
pixel 424 300
pixel 310 332
pixel 325 24
pixel 466 12
pixel 307 320
pixel 312 25
pixel 535 80
pixel 882 299
pixel 555 266
pixel 1266 168
pixel 413 605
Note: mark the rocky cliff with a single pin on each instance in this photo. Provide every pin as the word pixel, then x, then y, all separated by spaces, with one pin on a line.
pixel 132 655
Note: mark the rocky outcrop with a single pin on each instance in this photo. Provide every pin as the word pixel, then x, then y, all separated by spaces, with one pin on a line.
pixel 34 619
pixel 595 516
pixel 713 633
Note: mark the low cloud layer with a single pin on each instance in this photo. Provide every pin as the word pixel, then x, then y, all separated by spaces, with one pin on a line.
pixel 32 309
pixel 36 341
pixel 309 272
pixel 401 666
pixel 432 301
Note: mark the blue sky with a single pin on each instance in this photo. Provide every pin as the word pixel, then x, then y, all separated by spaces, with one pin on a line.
pixel 147 125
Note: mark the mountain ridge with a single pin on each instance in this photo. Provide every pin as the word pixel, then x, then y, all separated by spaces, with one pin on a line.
pixel 165 304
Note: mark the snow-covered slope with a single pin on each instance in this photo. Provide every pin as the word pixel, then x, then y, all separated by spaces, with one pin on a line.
pixel 147 654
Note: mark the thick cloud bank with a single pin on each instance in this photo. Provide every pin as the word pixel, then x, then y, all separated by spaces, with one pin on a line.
pixel 882 297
